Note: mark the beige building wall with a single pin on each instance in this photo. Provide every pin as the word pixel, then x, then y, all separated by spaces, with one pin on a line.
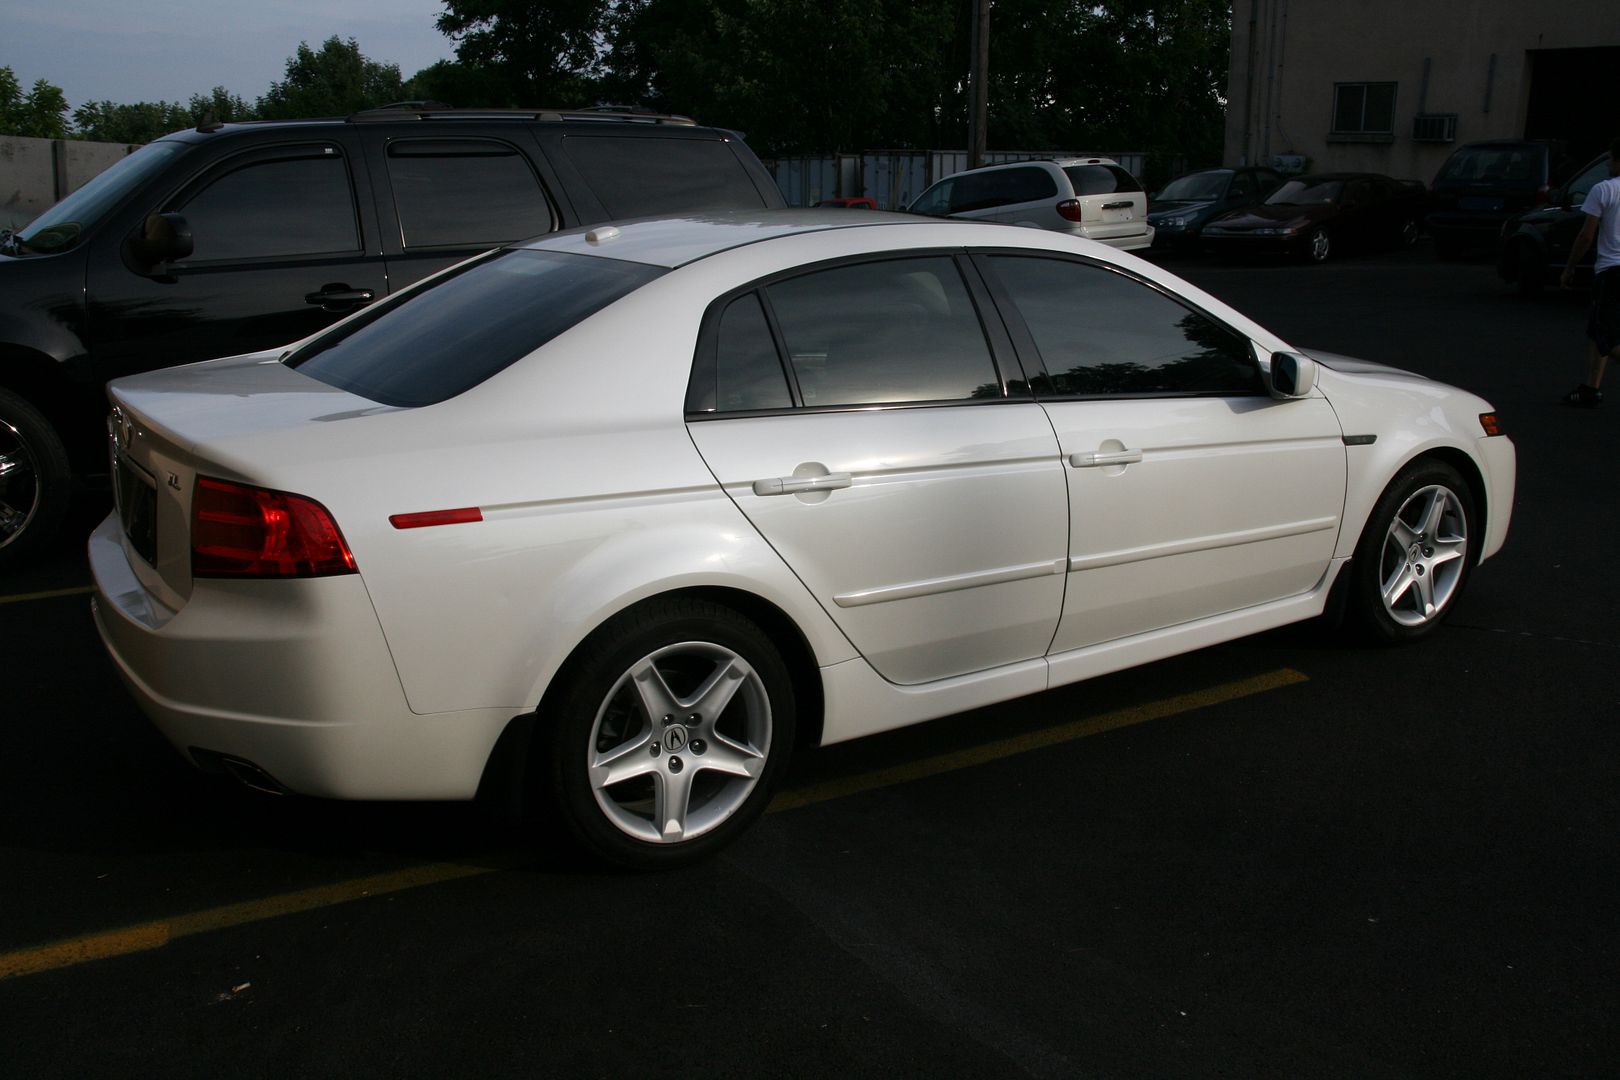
pixel 1473 58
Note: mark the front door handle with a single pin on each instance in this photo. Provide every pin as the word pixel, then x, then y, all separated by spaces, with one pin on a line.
pixel 338 296
pixel 798 485
pixel 1094 461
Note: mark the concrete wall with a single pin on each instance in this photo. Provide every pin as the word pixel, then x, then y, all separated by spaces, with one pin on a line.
pixel 35 173
pixel 1472 58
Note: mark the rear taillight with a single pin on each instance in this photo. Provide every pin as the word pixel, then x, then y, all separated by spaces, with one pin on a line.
pixel 240 531
pixel 1069 209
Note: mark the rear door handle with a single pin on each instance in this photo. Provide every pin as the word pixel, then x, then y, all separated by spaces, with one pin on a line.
pixel 1094 461
pixel 798 485
pixel 339 295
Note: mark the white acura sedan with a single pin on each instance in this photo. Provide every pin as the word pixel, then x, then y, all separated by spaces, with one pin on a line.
pixel 636 510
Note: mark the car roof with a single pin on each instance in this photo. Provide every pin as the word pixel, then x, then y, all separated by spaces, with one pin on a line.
pixel 676 241
pixel 428 115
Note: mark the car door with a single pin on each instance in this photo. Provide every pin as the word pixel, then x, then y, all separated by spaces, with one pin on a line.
pixel 282 248
pixel 884 443
pixel 1192 492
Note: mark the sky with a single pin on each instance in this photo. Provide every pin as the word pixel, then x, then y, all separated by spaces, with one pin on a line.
pixel 167 50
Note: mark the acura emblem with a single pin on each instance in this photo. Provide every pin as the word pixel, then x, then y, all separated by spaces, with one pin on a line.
pixel 122 428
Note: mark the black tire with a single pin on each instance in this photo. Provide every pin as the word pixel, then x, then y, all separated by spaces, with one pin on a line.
pixel 726 763
pixel 1530 274
pixel 36 483
pixel 1318 246
pixel 1414 557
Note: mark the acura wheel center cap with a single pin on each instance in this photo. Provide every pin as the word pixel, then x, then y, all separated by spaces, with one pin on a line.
pixel 675 737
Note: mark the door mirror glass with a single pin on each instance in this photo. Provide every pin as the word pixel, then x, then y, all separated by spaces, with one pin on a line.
pixel 162 238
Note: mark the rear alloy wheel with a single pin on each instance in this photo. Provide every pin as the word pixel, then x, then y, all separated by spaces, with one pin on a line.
pixel 1318 246
pixel 1409 232
pixel 668 733
pixel 1414 556
pixel 35 481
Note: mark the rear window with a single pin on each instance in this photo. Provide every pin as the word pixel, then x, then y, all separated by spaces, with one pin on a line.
pixel 1100 179
pixel 1500 164
pixel 639 177
pixel 458 331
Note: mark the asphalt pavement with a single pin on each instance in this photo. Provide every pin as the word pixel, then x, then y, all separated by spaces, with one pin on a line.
pixel 1281 857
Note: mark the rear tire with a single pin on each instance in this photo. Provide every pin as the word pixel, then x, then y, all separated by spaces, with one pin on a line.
pixel 667 733
pixel 36 483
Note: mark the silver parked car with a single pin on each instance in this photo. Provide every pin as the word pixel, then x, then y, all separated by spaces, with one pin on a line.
pixel 1089 197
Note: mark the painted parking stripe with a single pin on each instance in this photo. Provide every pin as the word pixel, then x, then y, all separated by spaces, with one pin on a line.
pixel 49 594
pixel 144 937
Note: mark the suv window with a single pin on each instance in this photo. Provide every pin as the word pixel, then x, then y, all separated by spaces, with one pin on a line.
pixel 1100 179
pixel 299 204
pixel 1101 332
pixel 442 340
pixel 1502 164
pixel 464 192
pixel 906 330
pixel 637 177
pixel 1002 187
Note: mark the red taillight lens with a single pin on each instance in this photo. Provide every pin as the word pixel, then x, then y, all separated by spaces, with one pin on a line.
pixel 1070 209
pixel 240 531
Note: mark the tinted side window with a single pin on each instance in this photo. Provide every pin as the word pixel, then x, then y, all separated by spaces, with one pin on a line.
pixel 451 335
pixel 936 200
pixel 1003 187
pixel 635 177
pixel 748 372
pixel 896 331
pixel 1242 187
pixel 465 192
pixel 300 205
pixel 1101 332
pixel 1582 185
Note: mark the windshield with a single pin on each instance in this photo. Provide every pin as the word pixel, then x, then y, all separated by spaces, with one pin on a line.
pixel 1306 192
pixel 1195 188
pixel 1499 164
pixel 60 227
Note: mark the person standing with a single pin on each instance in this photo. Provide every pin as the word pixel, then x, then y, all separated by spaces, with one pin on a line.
pixel 1602 210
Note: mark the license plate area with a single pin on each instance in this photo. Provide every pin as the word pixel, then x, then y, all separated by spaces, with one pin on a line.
pixel 135 492
pixel 1479 202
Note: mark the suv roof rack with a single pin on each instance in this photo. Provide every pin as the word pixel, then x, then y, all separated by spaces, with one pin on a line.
pixel 438 110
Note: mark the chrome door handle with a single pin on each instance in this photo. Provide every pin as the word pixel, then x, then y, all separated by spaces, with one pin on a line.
pixel 1093 461
pixel 798 485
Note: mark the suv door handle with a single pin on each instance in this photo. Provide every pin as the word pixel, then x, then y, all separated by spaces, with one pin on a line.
pixel 339 295
pixel 1094 461
pixel 798 485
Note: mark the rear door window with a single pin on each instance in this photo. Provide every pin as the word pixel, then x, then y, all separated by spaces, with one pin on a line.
pixel 465 192
pixel 429 346
pixel 639 177
pixel 1001 187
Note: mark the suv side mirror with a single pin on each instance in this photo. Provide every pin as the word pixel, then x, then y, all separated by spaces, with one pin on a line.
pixel 1292 375
pixel 162 238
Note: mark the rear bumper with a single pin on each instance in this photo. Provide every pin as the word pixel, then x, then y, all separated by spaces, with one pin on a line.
pixel 293 677
pixel 1128 242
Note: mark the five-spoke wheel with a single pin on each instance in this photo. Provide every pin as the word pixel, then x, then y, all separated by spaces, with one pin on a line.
pixel 668 733
pixel 1414 557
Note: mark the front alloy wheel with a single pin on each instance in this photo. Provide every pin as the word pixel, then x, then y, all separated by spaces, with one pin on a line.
pixel 670 733
pixel 1414 558
pixel 35 483
pixel 1318 246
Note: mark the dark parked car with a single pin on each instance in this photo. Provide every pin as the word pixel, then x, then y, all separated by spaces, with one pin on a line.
pixel 1483 184
pixel 1313 217
pixel 1180 210
pixel 238 237
pixel 1535 245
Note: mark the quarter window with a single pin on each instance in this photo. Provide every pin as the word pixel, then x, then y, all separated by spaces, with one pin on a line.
pixel 295 205
pixel 636 177
pixel 903 330
pixel 748 371
pixel 1100 332
pixel 465 193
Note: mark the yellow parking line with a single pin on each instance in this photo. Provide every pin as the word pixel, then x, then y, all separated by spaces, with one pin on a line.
pixel 49 594
pixel 154 935
pixel 1035 740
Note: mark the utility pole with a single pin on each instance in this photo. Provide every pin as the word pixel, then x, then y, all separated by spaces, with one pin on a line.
pixel 978 82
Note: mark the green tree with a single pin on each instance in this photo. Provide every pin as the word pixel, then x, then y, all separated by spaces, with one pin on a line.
pixel 533 54
pixel 40 114
pixel 335 81
pixel 139 122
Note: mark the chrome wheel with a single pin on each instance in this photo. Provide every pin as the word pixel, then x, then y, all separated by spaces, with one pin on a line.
pixel 680 742
pixel 1319 246
pixel 20 485
pixel 1425 554
pixel 1409 232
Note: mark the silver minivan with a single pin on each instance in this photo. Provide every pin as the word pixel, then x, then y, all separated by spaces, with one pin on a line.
pixel 1091 197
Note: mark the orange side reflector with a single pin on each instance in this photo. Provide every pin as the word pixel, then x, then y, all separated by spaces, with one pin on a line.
pixel 1489 423
pixel 462 516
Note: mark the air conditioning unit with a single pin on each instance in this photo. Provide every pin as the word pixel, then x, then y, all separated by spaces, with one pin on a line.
pixel 1434 127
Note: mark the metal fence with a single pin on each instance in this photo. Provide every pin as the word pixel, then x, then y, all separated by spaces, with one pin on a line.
pixel 892 178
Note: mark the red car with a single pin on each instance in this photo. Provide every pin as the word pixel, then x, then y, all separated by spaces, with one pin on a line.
pixel 858 202
pixel 1313 217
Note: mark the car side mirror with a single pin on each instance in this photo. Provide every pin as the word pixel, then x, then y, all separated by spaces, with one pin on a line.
pixel 1292 375
pixel 162 238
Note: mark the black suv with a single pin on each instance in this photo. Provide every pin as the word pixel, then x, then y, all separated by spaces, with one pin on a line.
pixel 233 238
pixel 1483 184
pixel 1535 245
